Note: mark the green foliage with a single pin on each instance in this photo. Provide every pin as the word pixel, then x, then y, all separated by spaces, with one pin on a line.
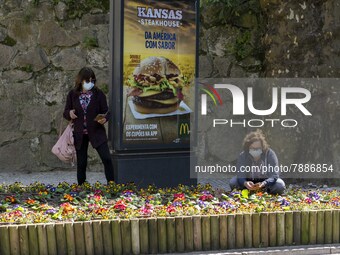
pixel 228 10
pixel 77 8
pixel 90 42
pixel 28 68
pixel 28 17
pixel 105 88
pixel 9 41
pixel 242 47
pixel 36 2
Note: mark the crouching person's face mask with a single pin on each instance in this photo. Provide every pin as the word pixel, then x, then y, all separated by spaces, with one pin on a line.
pixel 255 152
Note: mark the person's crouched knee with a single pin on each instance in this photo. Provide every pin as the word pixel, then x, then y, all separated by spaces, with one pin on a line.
pixel 278 188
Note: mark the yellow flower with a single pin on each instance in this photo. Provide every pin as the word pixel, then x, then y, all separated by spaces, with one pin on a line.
pixel 245 193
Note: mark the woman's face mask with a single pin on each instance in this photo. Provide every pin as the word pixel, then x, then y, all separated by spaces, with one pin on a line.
pixel 88 85
pixel 255 152
pixel 255 149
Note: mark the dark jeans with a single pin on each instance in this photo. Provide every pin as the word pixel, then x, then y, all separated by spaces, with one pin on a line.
pixel 278 187
pixel 104 154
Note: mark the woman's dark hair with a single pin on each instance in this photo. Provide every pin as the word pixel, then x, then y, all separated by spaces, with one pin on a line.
pixel 255 136
pixel 86 74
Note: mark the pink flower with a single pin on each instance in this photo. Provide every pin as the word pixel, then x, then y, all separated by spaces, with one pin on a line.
pixel 97 198
pixel 146 209
pixel 171 209
pixel 308 200
pixel 207 197
pixel 179 196
pixel 98 192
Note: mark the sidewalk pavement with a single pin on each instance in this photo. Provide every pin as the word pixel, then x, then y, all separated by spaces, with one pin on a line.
pixel 70 176
pixel 291 250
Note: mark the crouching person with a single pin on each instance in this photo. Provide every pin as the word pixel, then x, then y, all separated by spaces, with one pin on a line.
pixel 256 166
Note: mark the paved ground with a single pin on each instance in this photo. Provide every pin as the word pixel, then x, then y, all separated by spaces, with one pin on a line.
pixel 292 250
pixel 55 177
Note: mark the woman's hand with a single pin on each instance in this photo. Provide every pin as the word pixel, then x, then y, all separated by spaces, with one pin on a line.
pixel 260 185
pixel 73 115
pixel 250 185
pixel 102 121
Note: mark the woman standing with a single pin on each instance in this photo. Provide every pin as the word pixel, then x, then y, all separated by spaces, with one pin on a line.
pixel 86 106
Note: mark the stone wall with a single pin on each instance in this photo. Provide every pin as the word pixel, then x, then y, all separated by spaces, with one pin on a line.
pixel 43 43
pixel 281 39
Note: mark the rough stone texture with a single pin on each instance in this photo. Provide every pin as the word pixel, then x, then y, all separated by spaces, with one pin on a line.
pixel 6 55
pixel 256 38
pixel 16 156
pixel 35 59
pixel 3 34
pixel 53 85
pixel 302 40
pixel 61 11
pixel 98 58
pixel 36 118
pixel 298 39
pixel 16 75
pixel 69 59
pixel 24 33
pixel 41 51
pixel 9 120
pixel 51 35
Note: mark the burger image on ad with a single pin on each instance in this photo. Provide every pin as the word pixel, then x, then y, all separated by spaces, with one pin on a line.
pixel 156 86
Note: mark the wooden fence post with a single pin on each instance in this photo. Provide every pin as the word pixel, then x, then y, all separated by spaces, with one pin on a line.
pixel 223 232
pixel 14 240
pixel 116 237
pixel 264 229
pixel 312 227
pixel 24 242
pixel 125 228
pixel 33 239
pixel 215 232
pixel 239 230
pixel 79 237
pixel 162 237
pixel 135 241
pixel 256 223
pixel 231 231
pixel 197 228
pixel 320 235
pixel 280 228
pixel 206 231
pixel 5 247
pixel 297 227
pixel 107 237
pixel 171 234
pixel 189 234
pixel 153 236
pixel 272 229
pixel 289 228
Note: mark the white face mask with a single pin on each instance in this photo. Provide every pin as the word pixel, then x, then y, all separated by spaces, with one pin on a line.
pixel 255 152
pixel 88 85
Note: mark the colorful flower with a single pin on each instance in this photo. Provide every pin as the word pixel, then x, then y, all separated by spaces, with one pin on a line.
pixel 68 197
pixel 10 199
pixel 120 205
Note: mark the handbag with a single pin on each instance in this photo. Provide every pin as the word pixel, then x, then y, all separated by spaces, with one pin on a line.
pixel 64 149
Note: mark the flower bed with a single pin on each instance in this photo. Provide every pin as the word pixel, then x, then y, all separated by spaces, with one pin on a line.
pixel 120 219
pixel 40 203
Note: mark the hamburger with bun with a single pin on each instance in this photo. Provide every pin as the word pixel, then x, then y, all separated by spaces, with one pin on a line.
pixel 156 86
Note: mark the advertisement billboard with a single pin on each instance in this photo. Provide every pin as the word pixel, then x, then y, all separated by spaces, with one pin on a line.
pixel 158 68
